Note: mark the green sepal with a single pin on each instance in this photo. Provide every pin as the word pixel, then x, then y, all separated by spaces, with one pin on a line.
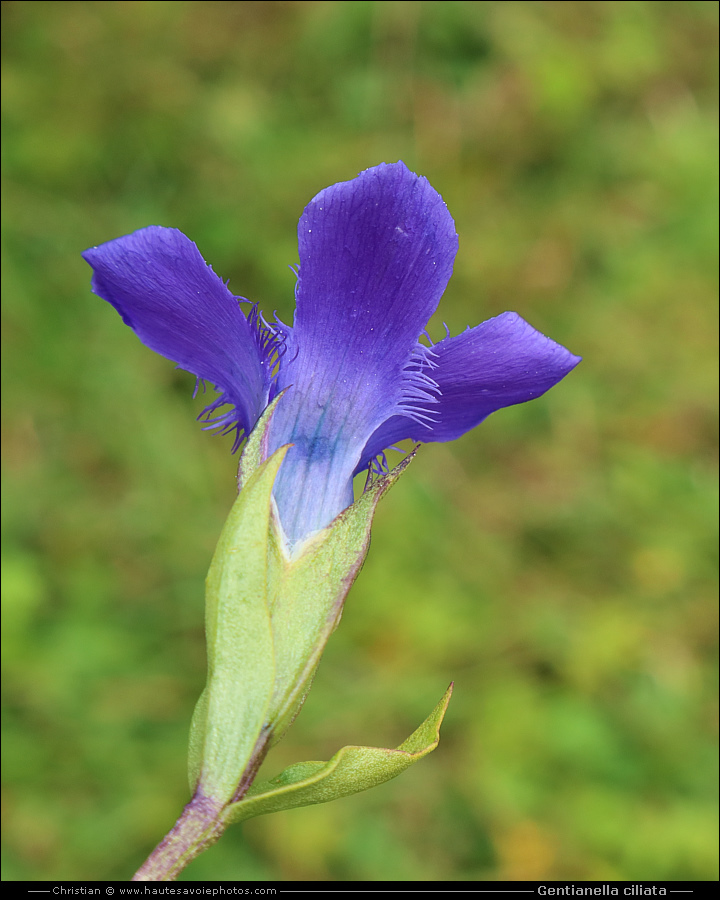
pixel 257 499
pixel 255 451
pixel 270 611
pixel 232 712
pixel 351 770
pixel 310 590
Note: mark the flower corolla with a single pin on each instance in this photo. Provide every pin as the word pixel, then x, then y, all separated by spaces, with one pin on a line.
pixel 376 254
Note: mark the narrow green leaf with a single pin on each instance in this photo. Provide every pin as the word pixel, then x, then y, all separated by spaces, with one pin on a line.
pixel 351 770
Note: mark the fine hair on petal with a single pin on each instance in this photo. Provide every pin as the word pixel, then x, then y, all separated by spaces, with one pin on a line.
pixel 271 343
pixel 418 387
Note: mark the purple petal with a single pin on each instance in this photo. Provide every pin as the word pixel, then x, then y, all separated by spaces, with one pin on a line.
pixel 375 256
pixel 164 290
pixel 499 363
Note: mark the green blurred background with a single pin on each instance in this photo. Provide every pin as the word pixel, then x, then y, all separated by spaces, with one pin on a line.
pixel 558 563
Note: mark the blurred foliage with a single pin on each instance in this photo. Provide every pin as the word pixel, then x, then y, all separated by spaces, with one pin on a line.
pixel 558 563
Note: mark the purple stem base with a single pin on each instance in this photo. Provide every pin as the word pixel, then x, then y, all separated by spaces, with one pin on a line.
pixel 199 826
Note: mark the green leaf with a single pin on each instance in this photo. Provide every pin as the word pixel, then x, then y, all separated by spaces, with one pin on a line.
pixel 351 770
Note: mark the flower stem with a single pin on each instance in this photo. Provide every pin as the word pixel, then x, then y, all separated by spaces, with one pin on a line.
pixel 199 826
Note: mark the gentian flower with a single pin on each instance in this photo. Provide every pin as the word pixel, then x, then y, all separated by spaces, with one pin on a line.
pixel 376 254
pixel 350 378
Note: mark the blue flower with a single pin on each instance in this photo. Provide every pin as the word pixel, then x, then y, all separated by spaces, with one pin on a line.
pixel 376 254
